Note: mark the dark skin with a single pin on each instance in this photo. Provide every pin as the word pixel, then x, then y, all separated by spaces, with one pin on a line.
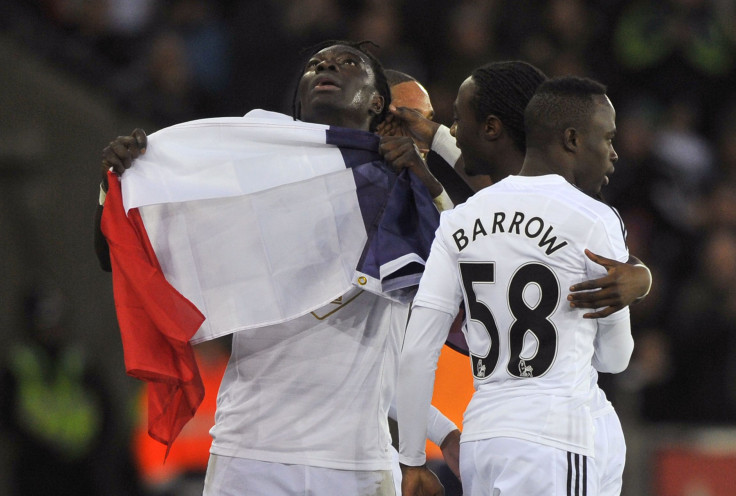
pixel 420 481
pixel 491 151
pixel 337 88
pixel 625 283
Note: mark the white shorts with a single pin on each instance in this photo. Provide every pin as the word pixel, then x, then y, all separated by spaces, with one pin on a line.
pixel 507 466
pixel 229 476
pixel 610 454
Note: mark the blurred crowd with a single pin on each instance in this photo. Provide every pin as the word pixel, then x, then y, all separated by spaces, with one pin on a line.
pixel 671 70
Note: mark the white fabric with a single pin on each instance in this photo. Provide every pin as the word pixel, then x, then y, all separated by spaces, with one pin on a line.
pixel 505 466
pixel 554 223
pixel 216 158
pixel 214 192
pixel 415 396
pixel 438 425
pixel 610 455
pixel 228 476
pixel 443 201
pixel 613 346
pixel 444 145
pixel 286 274
pixel 315 390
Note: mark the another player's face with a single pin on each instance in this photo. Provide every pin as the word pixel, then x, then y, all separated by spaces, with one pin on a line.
pixel 412 95
pixel 468 131
pixel 339 87
pixel 597 155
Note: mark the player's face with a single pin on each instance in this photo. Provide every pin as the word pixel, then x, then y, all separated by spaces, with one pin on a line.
pixel 338 87
pixel 412 95
pixel 597 156
pixel 468 130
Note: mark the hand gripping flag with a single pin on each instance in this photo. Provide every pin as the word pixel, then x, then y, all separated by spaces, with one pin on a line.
pixel 236 223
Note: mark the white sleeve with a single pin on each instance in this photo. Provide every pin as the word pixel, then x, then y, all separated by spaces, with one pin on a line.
pixel 444 145
pixel 425 336
pixel 440 286
pixel 438 426
pixel 443 201
pixel 613 343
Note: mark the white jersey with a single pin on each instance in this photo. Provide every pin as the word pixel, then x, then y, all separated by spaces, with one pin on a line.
pixel 315 390
pixel 511 252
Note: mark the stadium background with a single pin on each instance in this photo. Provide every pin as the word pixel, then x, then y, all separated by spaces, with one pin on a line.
pixel 76 73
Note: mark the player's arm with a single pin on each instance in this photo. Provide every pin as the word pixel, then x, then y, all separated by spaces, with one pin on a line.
pixel 423 130
pixel 425 336
pixel 433 312
pixel 444 433
pixel 441 431
pixel 614 343
pixel 623 284
pixel 400 152
pixel 117 156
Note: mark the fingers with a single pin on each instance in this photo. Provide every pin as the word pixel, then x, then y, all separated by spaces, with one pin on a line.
pixel 605 312
pixel 599 259
pixel 121 152
pixel 405 113
pixel 599 302
pixel 399 151
pixel 140 138
pixel 599 283
pixel 389 127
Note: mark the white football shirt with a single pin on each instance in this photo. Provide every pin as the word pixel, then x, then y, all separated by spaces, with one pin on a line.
pixel 315 390
pixel 510 253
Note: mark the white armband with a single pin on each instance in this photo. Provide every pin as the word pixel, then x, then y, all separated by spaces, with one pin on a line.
pixel 103 195
pixel 444 145
pixel 650 280
pixel 438 426
pixel 443 201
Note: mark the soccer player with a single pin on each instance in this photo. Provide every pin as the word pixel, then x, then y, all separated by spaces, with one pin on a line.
pixel 508 253
pixel 496 94
pixel 302 406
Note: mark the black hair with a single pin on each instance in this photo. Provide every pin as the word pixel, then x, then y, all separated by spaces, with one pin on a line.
pixel 397 77
pixel 504 89
pixel 378 71
pixel 561 103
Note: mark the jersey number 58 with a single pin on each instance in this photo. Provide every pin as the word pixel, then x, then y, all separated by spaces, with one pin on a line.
pixel 527 319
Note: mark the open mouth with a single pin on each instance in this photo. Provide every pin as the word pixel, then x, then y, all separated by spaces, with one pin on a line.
pixel 326 84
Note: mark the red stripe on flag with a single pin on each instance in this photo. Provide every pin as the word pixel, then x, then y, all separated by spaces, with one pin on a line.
pixel 156 322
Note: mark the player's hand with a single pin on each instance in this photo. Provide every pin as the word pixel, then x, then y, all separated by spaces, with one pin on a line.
pixel 624 284
pixel 405 121
pixel 451 451
pixel 400 152
pixel 420 481
pixel 121 152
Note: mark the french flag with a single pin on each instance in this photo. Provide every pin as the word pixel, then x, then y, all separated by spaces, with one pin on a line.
pixel 237 223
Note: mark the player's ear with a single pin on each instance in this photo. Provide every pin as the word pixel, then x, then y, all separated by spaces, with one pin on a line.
pixel 377 104
pixel 492 127
pixel 570 139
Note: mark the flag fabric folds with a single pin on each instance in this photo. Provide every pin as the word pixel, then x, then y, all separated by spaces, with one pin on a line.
pixel 235 223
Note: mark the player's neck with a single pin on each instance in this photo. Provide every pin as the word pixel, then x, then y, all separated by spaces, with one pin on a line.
pixel 540 163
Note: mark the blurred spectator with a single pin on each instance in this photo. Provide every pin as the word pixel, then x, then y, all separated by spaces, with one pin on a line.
pixel 162 86
pixel 470 41
pixel 654 33
pixel 676 47
pixel 702 336
pixel 56 411
pixel 381 22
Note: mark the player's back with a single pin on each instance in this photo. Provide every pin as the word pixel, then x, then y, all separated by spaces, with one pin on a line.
pixel 519 246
